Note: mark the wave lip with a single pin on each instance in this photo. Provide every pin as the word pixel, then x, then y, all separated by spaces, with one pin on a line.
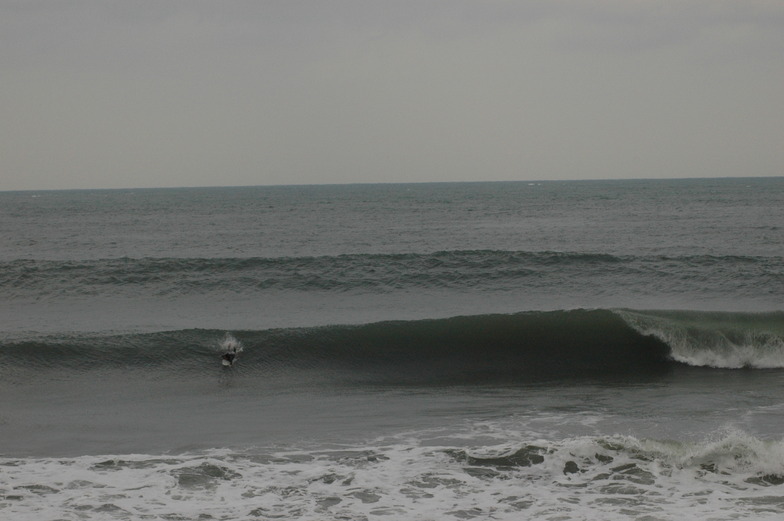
pixel 718 340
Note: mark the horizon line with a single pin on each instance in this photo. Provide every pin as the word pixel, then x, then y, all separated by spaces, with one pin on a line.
pixel 382 183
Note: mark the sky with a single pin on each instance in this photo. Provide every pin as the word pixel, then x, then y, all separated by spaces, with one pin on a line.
pixel 129 93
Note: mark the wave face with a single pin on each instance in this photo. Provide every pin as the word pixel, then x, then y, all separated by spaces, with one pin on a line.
pixel 461 350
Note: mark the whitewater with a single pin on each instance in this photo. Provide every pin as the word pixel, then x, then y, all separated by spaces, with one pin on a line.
pixel 561 350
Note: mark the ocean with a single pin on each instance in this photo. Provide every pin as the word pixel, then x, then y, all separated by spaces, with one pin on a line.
pixel 571 350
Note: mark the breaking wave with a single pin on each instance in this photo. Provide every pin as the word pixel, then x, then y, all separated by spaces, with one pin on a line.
pixel 460 350
pixel 719 340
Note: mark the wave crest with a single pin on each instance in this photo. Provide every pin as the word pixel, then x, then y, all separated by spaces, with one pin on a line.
pixel 719 340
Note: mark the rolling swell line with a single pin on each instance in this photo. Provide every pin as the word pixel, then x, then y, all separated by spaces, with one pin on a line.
pixel 465 349
pixel 472 349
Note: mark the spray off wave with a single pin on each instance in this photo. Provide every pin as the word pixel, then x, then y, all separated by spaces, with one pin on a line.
pixel 229 343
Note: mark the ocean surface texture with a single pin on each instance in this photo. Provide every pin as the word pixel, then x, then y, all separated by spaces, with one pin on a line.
pixel 606 350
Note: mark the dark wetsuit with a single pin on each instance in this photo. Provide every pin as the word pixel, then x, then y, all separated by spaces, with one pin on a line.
pixel 229 357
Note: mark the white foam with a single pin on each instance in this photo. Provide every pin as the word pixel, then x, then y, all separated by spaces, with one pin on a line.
pixel 732 475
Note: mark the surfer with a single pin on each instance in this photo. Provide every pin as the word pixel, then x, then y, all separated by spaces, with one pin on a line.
pixel 231 348
pixel 229 357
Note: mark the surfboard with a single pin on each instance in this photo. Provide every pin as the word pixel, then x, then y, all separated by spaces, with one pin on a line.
pixel 228 362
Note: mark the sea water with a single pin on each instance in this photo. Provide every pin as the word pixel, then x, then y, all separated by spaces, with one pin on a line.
pixel 554 350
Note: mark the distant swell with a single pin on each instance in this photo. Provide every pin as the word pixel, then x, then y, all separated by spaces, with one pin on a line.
pixel 475 269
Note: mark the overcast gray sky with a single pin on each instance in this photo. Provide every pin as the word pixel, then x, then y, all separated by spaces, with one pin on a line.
pixel 102 94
